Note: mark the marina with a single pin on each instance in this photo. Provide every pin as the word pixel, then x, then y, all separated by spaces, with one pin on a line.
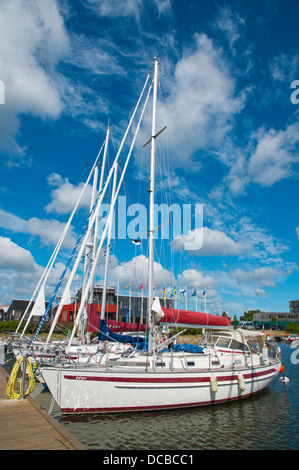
pixel 268 421
pixel 143 371
pixel 144 276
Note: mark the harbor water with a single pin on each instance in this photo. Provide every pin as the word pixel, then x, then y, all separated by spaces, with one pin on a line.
pixel 267 421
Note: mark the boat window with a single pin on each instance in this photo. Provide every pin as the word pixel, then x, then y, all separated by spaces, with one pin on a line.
pixel 223 342
pixel 254 344
pixel 237 345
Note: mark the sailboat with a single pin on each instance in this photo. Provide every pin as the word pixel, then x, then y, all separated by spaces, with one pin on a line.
pixel 227 365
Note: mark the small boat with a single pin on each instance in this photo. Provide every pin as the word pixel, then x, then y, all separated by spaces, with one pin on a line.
pixel 289 339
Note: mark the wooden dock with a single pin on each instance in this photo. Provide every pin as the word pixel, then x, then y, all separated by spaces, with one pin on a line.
pixel 25 426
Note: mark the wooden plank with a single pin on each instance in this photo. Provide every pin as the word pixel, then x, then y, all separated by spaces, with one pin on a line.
pixel 25 426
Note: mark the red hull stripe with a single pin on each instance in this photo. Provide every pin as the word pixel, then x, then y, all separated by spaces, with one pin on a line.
pixel 167 380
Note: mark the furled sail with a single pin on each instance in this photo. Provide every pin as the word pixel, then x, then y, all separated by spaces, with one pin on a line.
pixel 186 318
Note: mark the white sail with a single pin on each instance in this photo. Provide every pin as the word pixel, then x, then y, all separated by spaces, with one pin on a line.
pixel 39 305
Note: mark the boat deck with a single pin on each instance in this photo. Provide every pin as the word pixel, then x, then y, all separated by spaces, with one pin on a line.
pixel 25 426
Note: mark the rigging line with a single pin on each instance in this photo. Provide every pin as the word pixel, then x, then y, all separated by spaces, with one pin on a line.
pixel 158 228
pixel 234 271
pixel 64 271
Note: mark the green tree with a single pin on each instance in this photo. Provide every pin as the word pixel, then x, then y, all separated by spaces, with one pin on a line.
pixel 292 328
pixel 248 316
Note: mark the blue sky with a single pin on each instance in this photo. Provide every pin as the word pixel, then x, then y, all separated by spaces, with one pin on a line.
pixel 232 135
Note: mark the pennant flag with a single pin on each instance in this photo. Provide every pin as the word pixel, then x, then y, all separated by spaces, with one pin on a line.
pixel 204 292
pixel 129 285
pixel 173 291
pixel 127 315
pixel 164 293
pixel 194 293
pixel 141 286
pixel 105 249
pixel 136 242
pixel 183 292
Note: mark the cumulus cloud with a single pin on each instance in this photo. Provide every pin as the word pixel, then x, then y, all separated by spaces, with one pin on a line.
pixel 212 243
pixel 275 154
pixel 260 292
pixel 192 278
pixel 259 277
pixel 65 194
pixel 48 230
pixel 136 271
pixel 200 109
pixel 19 272
pixel 271 156
pixel 32 40
pixel 15 257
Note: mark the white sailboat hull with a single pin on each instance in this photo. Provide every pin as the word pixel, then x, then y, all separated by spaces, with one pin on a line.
pixel 99 390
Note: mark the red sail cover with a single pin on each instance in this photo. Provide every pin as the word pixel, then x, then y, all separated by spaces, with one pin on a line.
pixel 196 319
pixel 121 326
pixel 174 318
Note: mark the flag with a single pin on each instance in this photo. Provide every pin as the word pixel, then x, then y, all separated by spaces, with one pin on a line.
pixel 183 292
pixel 141 286
pixel 164 293
pixel 194 293
pixel 129 285
pixel 127 316
pixel 105 249
pixel 204 292
pixel 136 242
pixel 173 293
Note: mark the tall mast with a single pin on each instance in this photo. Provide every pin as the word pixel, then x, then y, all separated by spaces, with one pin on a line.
pixel 108 250
pixel 152 194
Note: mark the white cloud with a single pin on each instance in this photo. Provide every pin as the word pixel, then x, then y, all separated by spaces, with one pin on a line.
pixel 192 278
pixel 20 273
pixel 136 271
pixel 284 67
pixel 32 40
pixel 15 257
pixel 65 195
pixel 259 277
pixel 215 243
pixel 200 109
pixel 260 292
pixel 274 155
pixel 270 156
pixel 49 231
pixel 231 24
pixel 125 8
pixel 115 8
